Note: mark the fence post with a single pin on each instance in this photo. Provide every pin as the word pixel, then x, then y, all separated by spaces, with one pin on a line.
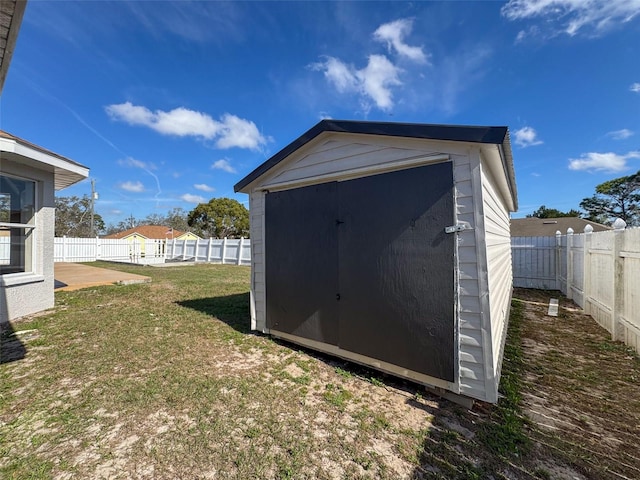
pixel 97 256
pixel 173 248
pixel 184 249
pixel 224 249
pixel 209 248
pixel 240 251
pixel 195 253
pixel 64 248
pixel 586 281
pixel 618 276
pixel 558 252
pixel 569 262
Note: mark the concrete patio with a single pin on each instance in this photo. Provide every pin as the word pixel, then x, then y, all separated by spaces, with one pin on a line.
pixel 74 276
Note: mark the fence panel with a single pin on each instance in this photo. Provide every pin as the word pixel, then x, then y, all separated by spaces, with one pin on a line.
pixel 575 266
pixel 629 312
pixel 599 271
pixel 149 251
pixel 600 262
pixel 534 262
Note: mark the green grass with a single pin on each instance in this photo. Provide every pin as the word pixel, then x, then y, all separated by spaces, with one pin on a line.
pixel 506 435
pixel 165 380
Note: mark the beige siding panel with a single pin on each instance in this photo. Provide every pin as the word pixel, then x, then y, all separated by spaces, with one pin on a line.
pixel 258 296
pixel 499 275
pixel 470 354
pixel 467 271
pixel 471 321
pixel 333 153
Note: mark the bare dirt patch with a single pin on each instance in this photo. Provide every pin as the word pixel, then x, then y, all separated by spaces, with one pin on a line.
pixel 581 390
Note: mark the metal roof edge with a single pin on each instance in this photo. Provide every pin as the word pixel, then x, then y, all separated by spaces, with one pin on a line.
pixel 461 133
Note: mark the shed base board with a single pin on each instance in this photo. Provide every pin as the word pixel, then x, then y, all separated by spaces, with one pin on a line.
pixel 440 387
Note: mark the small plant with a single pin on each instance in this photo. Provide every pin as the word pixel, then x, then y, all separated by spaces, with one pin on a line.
pixel 376 382
pixel 343 373
pixel 337 396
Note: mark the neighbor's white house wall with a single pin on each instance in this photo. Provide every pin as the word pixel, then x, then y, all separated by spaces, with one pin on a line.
pixel 24 294
pixel 357 155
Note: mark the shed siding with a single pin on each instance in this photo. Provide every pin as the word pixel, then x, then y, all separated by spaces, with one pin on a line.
pixel 337 157
pixel 258 290
pixel 500 276
pixel 471 361
pixel 352 153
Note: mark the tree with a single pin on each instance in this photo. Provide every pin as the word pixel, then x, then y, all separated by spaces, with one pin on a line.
pixel 617 198
pixel 219 218
pixel 175 218
pixel 544 212
pixel 73 217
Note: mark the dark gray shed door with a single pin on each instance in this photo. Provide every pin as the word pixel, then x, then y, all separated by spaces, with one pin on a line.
pixel 365 264
pixel 397 269
pixel 301 262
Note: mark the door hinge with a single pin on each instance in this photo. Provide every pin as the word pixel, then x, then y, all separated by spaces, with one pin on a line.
pixel 459 227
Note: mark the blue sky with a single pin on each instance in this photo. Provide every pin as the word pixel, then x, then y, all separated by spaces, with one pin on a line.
pixel 170 104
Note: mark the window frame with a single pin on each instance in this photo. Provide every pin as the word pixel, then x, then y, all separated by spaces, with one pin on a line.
pixel 30 229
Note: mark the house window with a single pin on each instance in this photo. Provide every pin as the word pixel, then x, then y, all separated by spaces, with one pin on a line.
pixel 17 224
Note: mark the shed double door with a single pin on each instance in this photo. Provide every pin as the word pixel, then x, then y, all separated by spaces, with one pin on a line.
pixel 365 265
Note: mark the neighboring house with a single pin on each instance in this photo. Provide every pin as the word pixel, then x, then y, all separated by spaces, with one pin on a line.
pixel 140 234
pixel 547 227
pixel 158 232
pixel 29 175
pixel 388 244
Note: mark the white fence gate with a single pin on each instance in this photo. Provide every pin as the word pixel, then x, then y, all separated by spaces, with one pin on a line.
pixel 598 271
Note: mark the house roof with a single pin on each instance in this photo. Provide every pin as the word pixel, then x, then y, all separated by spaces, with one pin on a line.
pixel 11 13
pixel 547 227
pixel 66 171
pixel 459 133
pixel 149 231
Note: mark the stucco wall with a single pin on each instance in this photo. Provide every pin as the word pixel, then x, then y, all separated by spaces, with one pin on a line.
pixel 24 294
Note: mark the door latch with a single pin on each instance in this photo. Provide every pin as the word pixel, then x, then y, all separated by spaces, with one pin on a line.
pixel 459 227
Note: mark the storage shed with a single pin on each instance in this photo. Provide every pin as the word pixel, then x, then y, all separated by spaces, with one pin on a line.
pixel 388 244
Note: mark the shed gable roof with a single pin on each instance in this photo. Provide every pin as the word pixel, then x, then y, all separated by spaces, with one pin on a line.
pixel 457 133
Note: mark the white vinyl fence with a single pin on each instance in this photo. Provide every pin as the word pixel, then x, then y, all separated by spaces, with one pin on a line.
pixel 149 251
pixel 598 271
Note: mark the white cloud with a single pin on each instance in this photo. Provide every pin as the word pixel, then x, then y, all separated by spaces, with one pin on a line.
pixel 573 16
pixel 635 87
pixel 394 33
pixel 620 134
pixel 224 165
pixel 132 162
pixel 204 187
pixel 189 198
pixel 134 187
pixel 230 131
pixel 605 162
pixel 377 78
pixel 526 137
pixel 373 82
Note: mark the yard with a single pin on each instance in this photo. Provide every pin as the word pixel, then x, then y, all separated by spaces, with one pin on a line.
pixel 164 380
